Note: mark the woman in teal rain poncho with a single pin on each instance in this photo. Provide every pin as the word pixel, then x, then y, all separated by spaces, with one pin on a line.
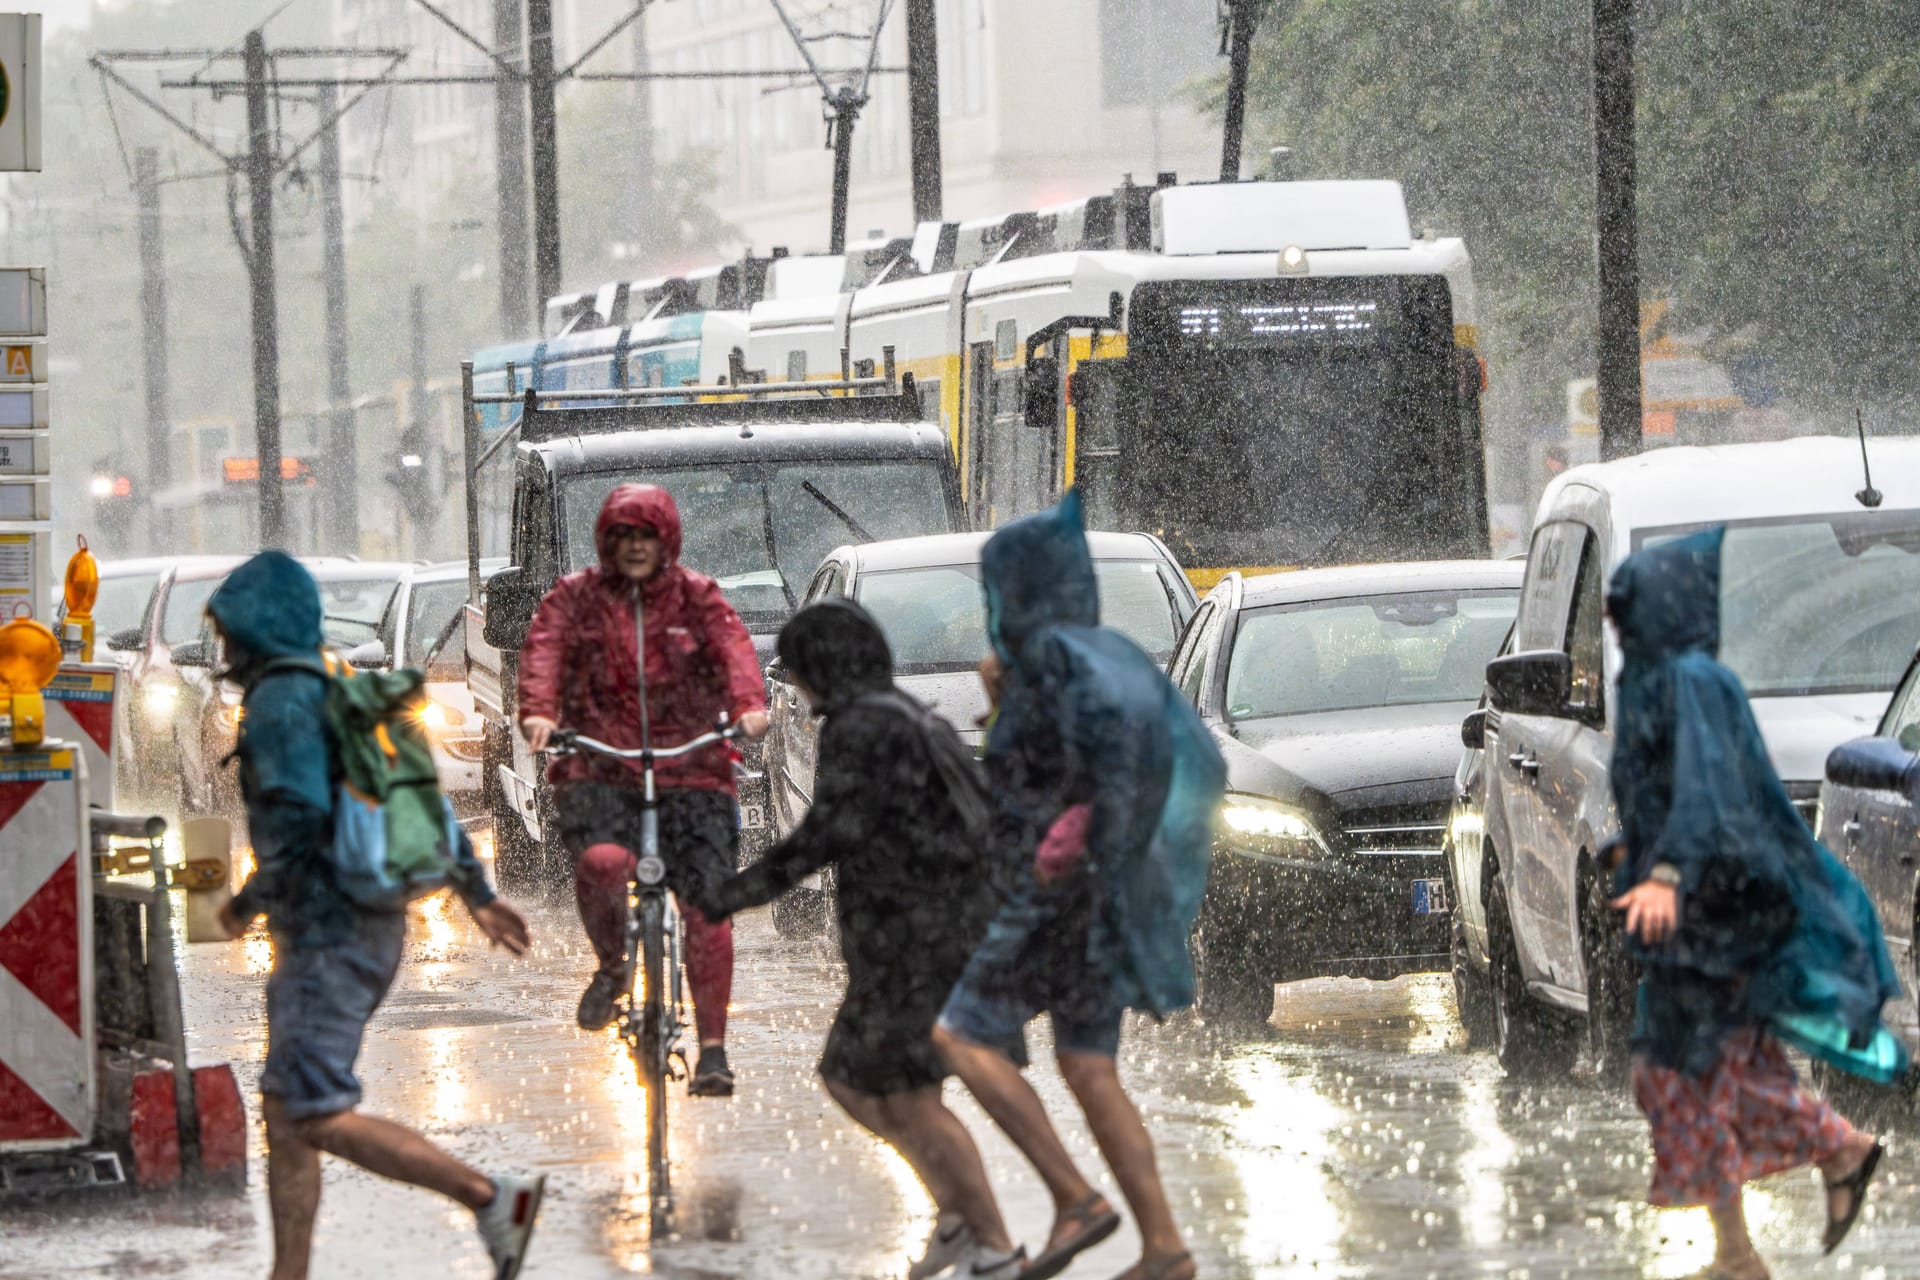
pixel 1748 932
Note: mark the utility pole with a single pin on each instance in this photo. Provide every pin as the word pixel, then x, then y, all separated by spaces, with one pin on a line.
pixel 846 106
pixel 546 151
pixel 645 211
pixel 341 475
pixel 923 108
pixel 510 168
pixel 266 337
pixel 153 340
pixel 1614 209
pixel 1241 17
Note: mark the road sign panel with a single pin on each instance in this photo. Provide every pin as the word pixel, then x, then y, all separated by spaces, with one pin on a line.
pixel 23 302
pixel 23 455
pixel 23 408
pixel 23 362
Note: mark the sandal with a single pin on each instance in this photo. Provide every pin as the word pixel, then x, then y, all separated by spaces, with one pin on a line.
pixel 1159 1269
pixel 1855 1184
pixel 1097 1221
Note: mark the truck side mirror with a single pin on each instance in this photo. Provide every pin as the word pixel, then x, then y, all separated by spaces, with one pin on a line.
pixel 510 602
pixel 1043 393
pixel 1875 764
pixel 1535 683
pixel 1473 730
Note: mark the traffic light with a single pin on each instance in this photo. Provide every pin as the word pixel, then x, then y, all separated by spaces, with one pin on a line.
pixel 113 507
pixel 408 476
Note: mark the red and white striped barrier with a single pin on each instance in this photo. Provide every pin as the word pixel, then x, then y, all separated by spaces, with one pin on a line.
pixel 83 707
pixel 46 950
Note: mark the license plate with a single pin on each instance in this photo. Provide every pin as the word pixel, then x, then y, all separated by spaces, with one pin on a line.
pixel 1429 897
pixel 751 817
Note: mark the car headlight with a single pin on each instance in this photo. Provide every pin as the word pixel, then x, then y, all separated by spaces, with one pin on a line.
pixel 160 697
pixel 438 716
pixel 1267 828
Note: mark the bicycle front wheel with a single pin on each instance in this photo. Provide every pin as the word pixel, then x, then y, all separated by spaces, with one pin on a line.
pixel 653 1047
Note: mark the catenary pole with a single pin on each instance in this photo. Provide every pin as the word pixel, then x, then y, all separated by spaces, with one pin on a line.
pixel 1614 208
pixel 266 337
pixel 153 341
pixel 1242 17
pixel 510 168
pixel 341 474
pixel 546 151
pixel 923 108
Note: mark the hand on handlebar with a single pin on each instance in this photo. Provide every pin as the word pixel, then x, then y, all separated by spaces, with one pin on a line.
pixel 539 731
pixel 753 725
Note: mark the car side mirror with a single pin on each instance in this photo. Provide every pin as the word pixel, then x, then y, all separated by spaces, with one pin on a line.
pixel 1473 730
pixel 511 600
pixel 367 656
pixel 1875 764
pixel 194 653
pixel 1536 683
pixel 1043 393
pixel 124 641
pixel 776 670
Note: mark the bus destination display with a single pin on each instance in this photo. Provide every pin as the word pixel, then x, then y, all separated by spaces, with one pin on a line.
pixel 1256 324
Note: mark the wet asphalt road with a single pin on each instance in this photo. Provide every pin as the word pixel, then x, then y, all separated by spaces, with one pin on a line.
pixel 1352 1136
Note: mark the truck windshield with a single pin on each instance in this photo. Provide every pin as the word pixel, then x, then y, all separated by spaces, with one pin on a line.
pixel 761 530
pixel 1819 604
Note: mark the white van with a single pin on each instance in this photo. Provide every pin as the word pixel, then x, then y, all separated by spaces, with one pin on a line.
pixel 1820 612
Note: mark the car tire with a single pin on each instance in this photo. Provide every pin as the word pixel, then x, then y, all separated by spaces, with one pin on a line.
pixel 1472 994
pixel 1232 986
pixel 1532 1042
pixel 1612 979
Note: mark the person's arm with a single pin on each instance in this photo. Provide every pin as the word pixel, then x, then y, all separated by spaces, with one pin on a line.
pixel 285 744
pixel 730 648
pixel 843 815
pixel 543 660
pixel 468 878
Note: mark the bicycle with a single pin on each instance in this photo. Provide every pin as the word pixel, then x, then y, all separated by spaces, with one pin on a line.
pixel 652 1026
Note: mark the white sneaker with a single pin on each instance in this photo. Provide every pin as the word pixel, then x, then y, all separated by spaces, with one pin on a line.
pixel 950 1243
pixel 506 1223
pixel 992 1264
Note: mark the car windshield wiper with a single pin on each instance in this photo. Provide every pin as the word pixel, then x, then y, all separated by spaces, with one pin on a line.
pixel 766 533
pixel 446 634
pixel 859 530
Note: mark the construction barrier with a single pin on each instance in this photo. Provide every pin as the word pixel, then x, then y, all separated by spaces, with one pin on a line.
pixel 83 707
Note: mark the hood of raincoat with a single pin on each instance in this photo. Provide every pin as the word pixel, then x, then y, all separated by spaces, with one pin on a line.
pixel 837 649
pixel 1037 572
pixel 1774 930
pixel 267 608
pixel 1666 599
pixel 637 506
pixel 1086 716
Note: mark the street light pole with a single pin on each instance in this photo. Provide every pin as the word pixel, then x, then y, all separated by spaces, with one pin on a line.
pixel 923 108
pixel 341 473
pixel 546 152
pixel 510 172
pixel 1617 240
pixel 1242 17
pixel 153 339
pixel 261 296
pixel 846 110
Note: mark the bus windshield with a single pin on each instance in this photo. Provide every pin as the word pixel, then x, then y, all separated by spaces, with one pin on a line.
pixel 761 530
pixel 1278 423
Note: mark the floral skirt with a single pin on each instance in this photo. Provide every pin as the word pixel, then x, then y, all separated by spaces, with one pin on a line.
pixel 1746 1118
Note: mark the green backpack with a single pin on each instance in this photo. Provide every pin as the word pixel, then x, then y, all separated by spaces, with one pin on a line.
pixel 394 833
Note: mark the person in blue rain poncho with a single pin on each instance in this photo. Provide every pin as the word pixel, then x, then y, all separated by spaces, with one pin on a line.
pixel 1748 932
pixel 1105 785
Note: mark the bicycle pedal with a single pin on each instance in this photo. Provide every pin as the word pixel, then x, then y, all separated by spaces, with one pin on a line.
pixel 680 1072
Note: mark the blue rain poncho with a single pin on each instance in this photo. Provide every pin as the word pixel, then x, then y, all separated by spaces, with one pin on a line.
pixel 1773 930
pixel 1087 717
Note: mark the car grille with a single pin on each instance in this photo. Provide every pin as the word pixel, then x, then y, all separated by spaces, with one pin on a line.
pixel 1403 830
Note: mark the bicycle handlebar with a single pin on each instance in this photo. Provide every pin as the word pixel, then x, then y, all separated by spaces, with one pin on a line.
pixel 566 740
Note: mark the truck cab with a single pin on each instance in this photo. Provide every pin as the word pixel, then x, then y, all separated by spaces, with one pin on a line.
pixel 766 487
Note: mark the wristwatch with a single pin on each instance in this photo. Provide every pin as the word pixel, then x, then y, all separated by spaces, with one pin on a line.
pixel 1665 873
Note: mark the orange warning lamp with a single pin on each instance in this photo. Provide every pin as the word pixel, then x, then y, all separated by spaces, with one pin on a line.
pixel 29 659
pixel 82 588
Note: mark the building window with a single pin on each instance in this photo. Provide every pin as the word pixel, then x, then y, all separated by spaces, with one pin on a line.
pixel 1151 49
pixel 963 57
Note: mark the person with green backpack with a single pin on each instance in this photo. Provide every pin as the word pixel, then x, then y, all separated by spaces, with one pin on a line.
pixel 348 825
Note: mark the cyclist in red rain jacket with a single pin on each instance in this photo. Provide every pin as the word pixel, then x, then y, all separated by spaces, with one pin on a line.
pixel 578 669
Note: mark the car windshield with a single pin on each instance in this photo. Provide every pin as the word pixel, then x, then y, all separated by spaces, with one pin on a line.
pixel 935 619
pixel 351 609
pixel 122 603
pixel 431 609
pixel 186 610
pixel 1366 651
pixel 761 530
pixel 1817 604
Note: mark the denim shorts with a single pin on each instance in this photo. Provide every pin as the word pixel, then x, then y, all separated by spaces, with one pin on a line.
pixel 318 1002
pixel 1035 960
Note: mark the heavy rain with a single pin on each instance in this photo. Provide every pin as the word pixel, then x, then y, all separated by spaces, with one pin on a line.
pixel 603 603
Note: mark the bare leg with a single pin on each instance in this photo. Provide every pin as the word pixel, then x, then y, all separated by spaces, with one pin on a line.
pixel 941 1151
pixel 1733 1251
pixel 293 1191
pixel 1003 1091
pixel 394 1151
pixel 1128 1149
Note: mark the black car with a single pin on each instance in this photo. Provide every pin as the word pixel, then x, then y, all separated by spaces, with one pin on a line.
pixel 1870 817
pixel 1336 696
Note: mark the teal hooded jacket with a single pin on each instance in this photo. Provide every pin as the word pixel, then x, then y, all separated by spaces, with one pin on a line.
pixel 1087 717
pixel 1774 931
